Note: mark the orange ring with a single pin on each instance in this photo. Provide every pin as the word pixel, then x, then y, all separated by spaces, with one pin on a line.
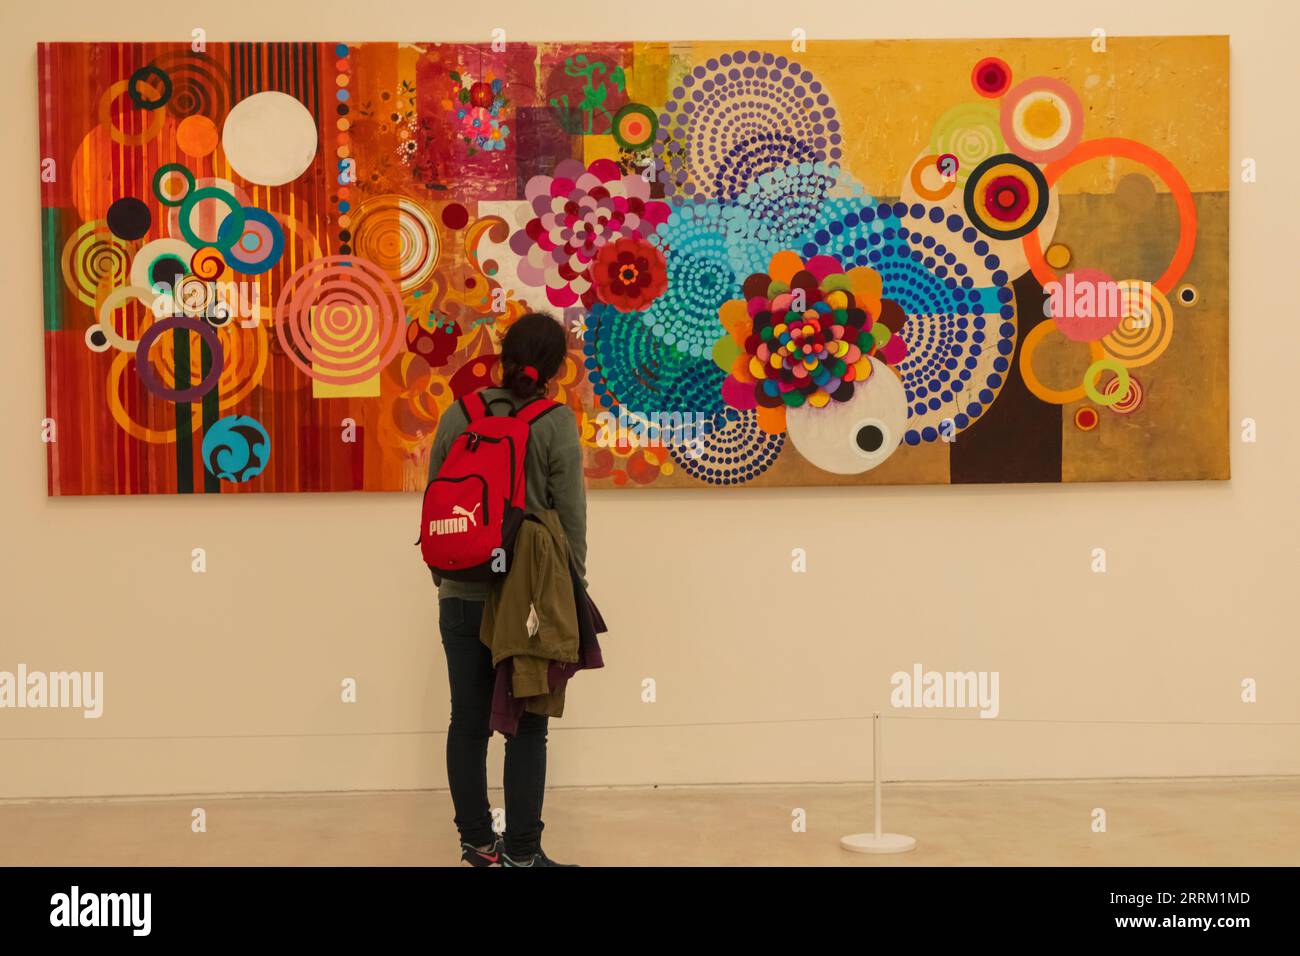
pixel 1032 382
pixel 151 130
pixel 933 195
pixel 154 436
pixel 1138 152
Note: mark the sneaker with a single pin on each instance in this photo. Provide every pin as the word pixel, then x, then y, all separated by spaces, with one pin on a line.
pixel 537 859
pixel 489 855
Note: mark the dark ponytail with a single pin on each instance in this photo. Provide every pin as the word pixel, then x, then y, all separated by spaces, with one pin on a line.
pixel 531 353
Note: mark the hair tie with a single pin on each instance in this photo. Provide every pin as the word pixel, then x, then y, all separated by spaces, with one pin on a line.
pixel 529 373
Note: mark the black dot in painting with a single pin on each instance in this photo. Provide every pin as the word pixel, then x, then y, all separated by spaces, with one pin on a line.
pixel 844 392
pixel 343 109
pixel 128 218
pixel 167 271
pixel 98 338
pixel 345 235
pixel 869 438
pixel 344 249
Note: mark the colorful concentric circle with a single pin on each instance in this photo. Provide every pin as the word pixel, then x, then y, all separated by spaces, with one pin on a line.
pixel 172 183
pixel 401 237
pixel 991 77
pixel 340 319
pixel 1042 119
pixel 927 168
pixel 1126 403
pixel 1006 197
pixel 970 132
pixel 260 246
pixel 635 126
pixel 94 260
pixel 1146 327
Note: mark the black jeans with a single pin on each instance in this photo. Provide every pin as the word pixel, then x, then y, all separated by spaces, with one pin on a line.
pixel 472 677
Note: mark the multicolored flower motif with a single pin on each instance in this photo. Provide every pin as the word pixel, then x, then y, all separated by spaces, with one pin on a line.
pixel 629 274
pixel 577 212
pixel 802 335
pixel 478 108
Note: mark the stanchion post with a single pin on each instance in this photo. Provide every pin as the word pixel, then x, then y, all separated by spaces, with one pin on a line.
pixel 877 841
pixel 875 772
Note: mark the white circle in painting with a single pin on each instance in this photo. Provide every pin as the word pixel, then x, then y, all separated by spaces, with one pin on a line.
pixel 269 138
pixel 848 438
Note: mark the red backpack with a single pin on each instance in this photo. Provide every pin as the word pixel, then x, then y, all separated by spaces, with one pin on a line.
pixel 473 508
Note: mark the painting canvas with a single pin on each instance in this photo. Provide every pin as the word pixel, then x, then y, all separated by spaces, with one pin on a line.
pixel 273 266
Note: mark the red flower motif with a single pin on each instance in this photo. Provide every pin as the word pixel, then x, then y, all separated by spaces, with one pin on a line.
pixel 629 274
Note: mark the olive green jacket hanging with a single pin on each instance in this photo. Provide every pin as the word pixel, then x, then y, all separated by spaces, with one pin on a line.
pixel 531 617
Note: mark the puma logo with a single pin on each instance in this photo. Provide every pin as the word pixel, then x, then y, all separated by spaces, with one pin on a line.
pixel 458 510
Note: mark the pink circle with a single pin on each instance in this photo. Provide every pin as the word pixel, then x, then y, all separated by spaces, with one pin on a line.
pixel 340 319
pixel 1086 304
pixel 894 351
pixel 737 394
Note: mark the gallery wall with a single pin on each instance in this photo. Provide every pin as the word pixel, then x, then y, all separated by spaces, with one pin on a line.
pixel 229 680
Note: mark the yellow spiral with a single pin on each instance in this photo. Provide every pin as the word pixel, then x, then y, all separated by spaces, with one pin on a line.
pixel 399 236
pixel 1147 327
pixel 94 261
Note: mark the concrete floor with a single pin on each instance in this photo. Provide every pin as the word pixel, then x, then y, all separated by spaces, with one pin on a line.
pixel 1203 822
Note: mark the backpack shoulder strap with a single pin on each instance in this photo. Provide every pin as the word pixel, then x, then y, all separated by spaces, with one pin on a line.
pixel 474 407
pixel 528 414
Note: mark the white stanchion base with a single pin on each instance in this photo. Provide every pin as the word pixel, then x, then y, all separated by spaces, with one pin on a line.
pixel 885 843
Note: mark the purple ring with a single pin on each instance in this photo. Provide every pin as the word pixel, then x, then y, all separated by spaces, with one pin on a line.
pixel 150 381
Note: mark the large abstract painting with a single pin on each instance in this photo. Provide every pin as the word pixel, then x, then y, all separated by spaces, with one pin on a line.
pixel 273 266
